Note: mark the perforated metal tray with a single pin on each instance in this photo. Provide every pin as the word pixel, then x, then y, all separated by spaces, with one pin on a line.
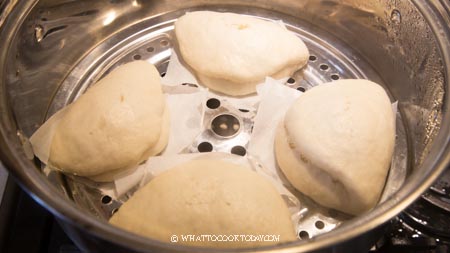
pixel 329 60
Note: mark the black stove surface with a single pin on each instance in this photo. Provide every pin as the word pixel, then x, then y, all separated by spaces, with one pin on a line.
pixel 425 225
pixel 25 226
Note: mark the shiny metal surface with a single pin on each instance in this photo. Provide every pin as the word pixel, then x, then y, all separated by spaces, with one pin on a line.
pixel 3 179
pixel 50 45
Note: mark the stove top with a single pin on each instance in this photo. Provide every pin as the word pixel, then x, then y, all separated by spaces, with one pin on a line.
pixel 424 227
pixel 25 226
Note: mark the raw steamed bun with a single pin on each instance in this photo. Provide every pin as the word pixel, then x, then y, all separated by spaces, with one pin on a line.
pixel 232 53
pixel 336 142
pixel 207 197
pixel 118 123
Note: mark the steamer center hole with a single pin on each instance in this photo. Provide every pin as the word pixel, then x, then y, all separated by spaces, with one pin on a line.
pixel 225 125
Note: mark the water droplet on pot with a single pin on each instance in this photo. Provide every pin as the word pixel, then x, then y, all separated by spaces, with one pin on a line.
pixel 38 33
pixel 396 16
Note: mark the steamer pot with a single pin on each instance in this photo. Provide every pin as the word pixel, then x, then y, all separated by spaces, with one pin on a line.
pixel 51 51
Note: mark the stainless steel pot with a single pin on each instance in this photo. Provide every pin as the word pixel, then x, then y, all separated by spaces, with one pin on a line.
pixel 51 50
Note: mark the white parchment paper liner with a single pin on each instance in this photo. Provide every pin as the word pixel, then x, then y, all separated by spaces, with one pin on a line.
pixel 185 105
pixel 186 108
pixel 156 165
pixel 178 74
pixel 275 101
